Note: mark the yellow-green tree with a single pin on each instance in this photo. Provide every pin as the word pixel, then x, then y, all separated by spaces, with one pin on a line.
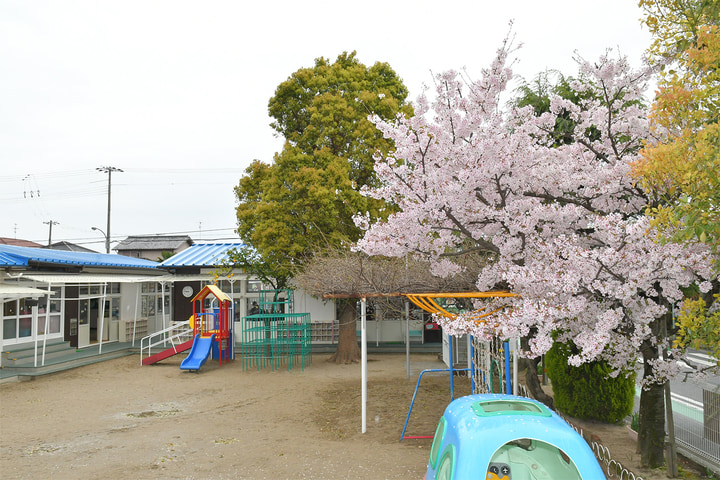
pixel 675 25
pixel 699 326
pixel 682 160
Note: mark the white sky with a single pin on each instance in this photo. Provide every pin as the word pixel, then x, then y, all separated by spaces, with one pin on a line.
pixel 175 92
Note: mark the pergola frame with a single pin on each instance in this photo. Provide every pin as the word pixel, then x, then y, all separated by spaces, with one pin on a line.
pixel 425 301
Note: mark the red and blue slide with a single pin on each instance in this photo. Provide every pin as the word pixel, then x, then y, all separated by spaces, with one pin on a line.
pixel 199 353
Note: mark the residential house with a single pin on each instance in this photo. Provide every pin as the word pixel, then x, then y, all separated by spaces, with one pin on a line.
pixel 153 247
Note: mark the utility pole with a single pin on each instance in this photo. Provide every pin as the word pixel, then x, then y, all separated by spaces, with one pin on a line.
pixel 109 171
pixel 51 223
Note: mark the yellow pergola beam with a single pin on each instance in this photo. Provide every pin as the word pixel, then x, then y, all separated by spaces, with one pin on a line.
pixel 426 302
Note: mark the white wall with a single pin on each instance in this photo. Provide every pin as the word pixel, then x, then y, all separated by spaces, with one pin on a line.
pixel 320 310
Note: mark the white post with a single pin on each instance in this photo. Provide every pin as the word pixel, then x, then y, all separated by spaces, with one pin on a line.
pixel 47 324
pixel 137 299
pixel 162 300
pixel 407 338
pixel 102 318
pixel 34 310
pixel 363 350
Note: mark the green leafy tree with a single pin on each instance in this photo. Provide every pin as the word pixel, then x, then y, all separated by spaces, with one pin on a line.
pixel 537 94
pixel 305 199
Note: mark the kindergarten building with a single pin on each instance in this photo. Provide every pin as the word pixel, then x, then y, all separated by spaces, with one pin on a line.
pixel 94 299
pixel 89 299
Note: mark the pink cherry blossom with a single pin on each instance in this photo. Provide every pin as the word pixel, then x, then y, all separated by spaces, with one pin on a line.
pixel 565 226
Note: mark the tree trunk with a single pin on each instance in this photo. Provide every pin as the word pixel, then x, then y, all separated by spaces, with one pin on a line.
pixel 651 434
pixel 532 382
pixel 348 350
pixel 531 378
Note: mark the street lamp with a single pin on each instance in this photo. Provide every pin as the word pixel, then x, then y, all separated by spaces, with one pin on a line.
pixel 107 240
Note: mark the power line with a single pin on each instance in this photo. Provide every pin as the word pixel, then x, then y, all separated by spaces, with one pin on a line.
pixel 90 240
pixel 80 173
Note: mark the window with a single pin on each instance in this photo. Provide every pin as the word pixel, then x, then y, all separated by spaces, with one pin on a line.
pixel 152 303
pixel 17 317
pixel 437 441
pixel 446 469
pixel 228 286
pixel 520 457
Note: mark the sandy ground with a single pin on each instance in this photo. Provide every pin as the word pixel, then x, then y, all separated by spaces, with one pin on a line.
pixel 117 419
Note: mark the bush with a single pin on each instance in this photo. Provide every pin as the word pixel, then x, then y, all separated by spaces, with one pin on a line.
pixel 588 392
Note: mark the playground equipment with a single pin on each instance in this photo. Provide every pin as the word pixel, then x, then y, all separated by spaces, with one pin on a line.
pixel 490 360
pixel 212 328
pixel 507 438
pixel 276 334
pixel 177 335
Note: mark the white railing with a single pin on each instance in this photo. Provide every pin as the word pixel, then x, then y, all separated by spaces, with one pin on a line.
pixel 179 331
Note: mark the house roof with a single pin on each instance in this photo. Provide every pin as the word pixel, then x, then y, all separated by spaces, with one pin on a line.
pixel 14 256
pixel 154 242
pixel 63 245
pixel 19 242
pixel 200 255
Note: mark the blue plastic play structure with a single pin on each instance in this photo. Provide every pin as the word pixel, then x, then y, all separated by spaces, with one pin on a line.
pixel 199 353
pixel 504 437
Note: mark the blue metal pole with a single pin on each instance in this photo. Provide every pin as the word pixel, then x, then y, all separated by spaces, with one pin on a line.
pixel 452 385
pixel 508 381
pixel 417 385
pixel 472 364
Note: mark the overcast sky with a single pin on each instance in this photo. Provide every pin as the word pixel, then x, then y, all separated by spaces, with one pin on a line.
pixel 175 93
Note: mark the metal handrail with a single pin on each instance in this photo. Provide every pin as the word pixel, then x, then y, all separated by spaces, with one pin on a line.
pixel 164 339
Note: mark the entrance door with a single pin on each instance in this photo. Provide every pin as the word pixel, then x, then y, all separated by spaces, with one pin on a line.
pixel 71 316
pixel 94 319
pixel 84 327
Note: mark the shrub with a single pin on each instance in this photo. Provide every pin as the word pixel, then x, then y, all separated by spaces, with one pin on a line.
pixel 588 392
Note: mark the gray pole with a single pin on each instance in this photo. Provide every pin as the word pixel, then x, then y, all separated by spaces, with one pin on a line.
pixel 671 447
pixel 51 223
pixel 109 171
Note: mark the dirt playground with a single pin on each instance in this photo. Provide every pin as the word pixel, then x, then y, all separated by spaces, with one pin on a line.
pixel 118 420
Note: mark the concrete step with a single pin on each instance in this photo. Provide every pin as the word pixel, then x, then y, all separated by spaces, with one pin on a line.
pixel 11 374
pixel 59 353
pixel 12 350
pixel 27 355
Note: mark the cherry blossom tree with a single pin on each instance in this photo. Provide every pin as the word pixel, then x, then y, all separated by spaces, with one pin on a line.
pixel 563 223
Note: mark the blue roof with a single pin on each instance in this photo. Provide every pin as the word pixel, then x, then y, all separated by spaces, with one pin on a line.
pixel 10 260
pixel 201 255
pixel 15 256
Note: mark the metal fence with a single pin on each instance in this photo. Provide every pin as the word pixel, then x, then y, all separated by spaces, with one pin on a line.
pixel 697 428
pixel 697 424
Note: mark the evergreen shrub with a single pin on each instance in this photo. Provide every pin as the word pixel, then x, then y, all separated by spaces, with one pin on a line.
pixel 588 392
